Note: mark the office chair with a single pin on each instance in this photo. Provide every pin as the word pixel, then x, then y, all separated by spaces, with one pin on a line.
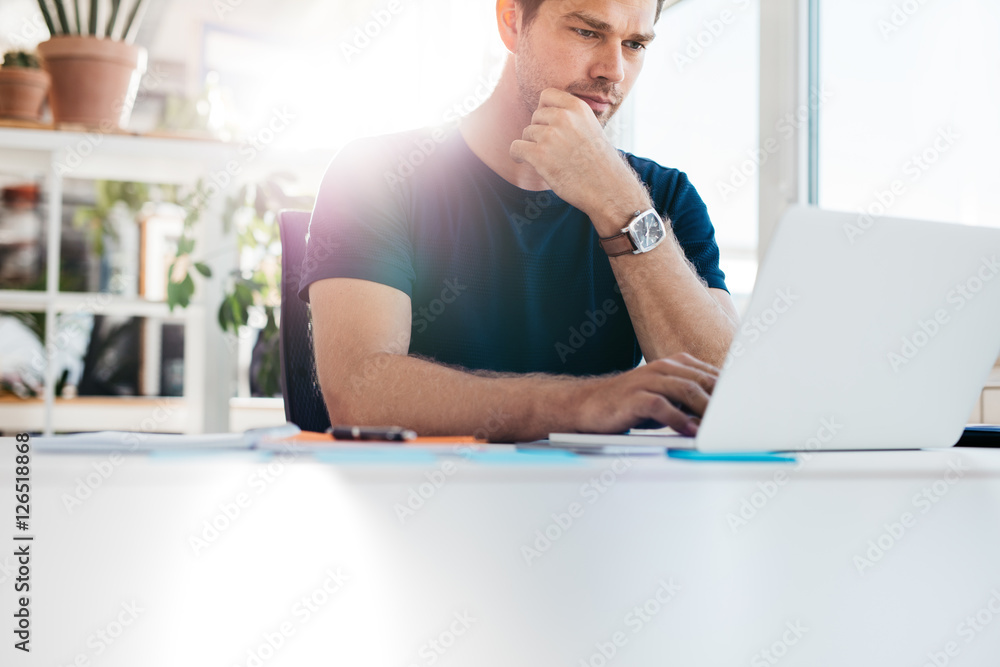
pixel 304 404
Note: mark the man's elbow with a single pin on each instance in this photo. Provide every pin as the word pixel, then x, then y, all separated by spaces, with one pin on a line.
pixel 717 356
pixel 352 393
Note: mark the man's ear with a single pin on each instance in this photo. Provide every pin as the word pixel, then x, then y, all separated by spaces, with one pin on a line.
pixel 508 22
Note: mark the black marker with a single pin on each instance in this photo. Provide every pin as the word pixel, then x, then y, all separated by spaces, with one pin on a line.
pixel 390 433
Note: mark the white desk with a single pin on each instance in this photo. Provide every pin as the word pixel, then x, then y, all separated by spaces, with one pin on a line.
pixel 661 522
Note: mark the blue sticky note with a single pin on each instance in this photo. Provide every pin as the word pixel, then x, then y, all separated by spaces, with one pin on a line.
pixel 748 457
pixel 376 455
pixel 523 456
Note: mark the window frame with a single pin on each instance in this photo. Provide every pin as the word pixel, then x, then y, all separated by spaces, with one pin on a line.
pixel 789 70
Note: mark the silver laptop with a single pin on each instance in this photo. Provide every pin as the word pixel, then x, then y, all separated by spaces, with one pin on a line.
pixel 860 334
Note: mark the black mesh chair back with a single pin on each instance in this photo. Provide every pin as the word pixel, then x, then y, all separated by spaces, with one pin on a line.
pixel 304 404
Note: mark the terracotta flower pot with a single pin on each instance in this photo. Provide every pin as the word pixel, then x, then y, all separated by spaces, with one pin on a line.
pixel 94 80
pixel 22 91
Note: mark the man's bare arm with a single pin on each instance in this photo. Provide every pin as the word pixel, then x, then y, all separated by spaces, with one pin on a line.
pixel 672 311
pixel 362 336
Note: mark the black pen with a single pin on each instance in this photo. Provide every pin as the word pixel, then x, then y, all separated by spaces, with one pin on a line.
pixel 390 433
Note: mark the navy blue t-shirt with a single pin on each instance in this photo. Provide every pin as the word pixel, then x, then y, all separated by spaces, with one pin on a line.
pixel 499 278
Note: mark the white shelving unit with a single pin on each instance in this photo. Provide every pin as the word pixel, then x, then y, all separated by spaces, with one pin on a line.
pixel 208 360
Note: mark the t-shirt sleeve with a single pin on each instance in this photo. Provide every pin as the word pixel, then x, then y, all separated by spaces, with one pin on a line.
pixel 359 226
pixel 694 231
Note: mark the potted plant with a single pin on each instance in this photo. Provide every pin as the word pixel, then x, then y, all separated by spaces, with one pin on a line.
pixel 94 65
pixel 23 86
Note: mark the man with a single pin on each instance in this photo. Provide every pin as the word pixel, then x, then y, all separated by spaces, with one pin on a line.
pixel 476 295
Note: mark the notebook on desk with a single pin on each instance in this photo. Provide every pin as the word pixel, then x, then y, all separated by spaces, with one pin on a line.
pixel 860 334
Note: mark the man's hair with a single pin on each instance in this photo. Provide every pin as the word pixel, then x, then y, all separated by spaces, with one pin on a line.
pixel 530 7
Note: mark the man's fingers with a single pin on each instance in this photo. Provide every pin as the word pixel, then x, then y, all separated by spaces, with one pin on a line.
pixel 553 97
pixel 533 133
pixel 688 392
pixel 546 115
pixel 659 409
pixel 706 377
pixel 690 360
pixel 520 150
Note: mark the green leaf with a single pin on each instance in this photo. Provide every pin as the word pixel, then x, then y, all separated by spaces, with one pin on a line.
pixel 108 32
pixel 270 329
pixel 244 295
pixel 132 23
pixel 48 18
pixel 173 296
pixel 225 314
pixel 179 294
pixel 63 22
pixel 185 246
pixel 239 313
pixel 203 269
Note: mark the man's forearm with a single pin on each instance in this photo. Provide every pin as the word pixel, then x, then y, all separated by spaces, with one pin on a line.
pixel 433 399
pixel 671 309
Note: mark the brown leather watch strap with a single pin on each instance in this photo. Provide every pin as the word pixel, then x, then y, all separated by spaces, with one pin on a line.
pixel 619 244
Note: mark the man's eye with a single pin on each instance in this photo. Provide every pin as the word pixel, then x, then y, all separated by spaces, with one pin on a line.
pixel 585 33
pixel 635 46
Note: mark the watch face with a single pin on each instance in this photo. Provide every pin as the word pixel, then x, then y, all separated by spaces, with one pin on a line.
pixel 648 232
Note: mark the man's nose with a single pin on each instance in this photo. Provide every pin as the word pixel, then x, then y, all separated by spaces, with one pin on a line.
pixel 609 63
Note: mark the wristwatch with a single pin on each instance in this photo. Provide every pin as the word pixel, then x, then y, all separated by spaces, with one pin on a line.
pixel 643 233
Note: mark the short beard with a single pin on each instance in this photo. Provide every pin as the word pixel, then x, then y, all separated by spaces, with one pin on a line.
pixel 529 87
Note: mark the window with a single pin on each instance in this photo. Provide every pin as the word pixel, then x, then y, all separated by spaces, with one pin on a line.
pixel 910 127
pixel 696 108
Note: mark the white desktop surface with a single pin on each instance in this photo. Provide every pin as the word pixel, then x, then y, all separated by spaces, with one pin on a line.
pixel 661 520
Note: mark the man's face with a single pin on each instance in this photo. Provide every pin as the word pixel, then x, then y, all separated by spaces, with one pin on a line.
pixel 593 49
